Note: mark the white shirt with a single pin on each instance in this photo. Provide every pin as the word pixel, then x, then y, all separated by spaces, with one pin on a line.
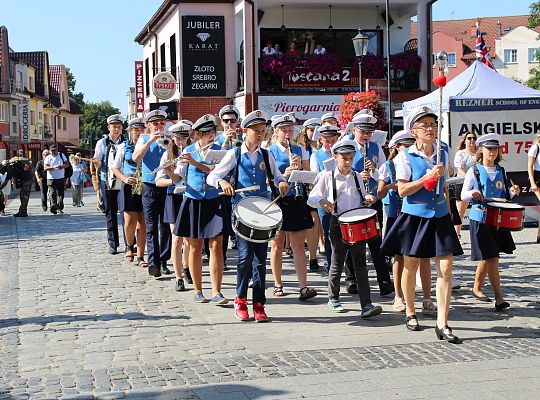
pixel 384 174
pixel 533 152
pixel 470 178
pixel 269 51
pixel 464 160
pixel 403 168
pixel 313 164
pixel 101 146
pixel 318 52
pixel 77 171
pixel 286 151
pixel 118 161
pixel 51 161
pixel 164 159
pixel 228 163
pixel 347 193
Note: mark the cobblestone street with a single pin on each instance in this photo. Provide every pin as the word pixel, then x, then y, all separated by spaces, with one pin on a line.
pixel 78 323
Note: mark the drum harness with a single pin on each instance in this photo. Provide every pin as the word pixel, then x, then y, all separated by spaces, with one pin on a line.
pixel 334 190
pixel 109 145
pixel 394 180
pixel 477 176
pixel 266 161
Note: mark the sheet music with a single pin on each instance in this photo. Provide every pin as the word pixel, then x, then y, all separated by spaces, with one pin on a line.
pixel 214 156
pixel 303 176
pixel 329 164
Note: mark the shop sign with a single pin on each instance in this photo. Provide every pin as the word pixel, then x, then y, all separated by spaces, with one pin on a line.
pixel 139 87
pixel 302 77
pixel 203 56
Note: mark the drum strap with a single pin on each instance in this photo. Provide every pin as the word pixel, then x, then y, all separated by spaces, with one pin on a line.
pixel 334 190
pixel 477 176
pixel 506 185
pixel 269 174
pixel 392 170
pixel 238 155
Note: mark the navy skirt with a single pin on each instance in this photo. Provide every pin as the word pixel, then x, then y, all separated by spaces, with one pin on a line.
pixel 389 223
pixel 420 237
pixel 127 201
pixel 172 207
pixel 199 219
pixel 296 214
pixel 487 242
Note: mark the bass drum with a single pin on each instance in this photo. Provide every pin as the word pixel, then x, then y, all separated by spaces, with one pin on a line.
pixel 249 222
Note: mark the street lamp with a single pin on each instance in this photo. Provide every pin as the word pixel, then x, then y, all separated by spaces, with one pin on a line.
pixel 360 43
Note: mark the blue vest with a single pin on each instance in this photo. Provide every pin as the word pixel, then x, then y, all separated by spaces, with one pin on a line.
pixel 424 203
pixel 392 197
pixel 321 157
pixel 104 160
pixel 196 186
pixel 151 161
pixel 373 156
pixel 282 162
pixel 495 188
pixel 129 167
pixel 249 175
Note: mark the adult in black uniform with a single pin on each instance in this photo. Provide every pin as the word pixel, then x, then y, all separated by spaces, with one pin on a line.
pixel 41 177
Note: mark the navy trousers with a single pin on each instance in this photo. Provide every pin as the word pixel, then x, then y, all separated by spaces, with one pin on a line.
pixel 153 201
pixel 251 265
pixel 110 203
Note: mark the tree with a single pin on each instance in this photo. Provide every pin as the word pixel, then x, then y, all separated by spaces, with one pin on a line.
pixel 71 82
pixel 93 123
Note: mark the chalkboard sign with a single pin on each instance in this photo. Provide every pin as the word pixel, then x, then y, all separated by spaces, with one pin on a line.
pixel 170 107
pixel 203 55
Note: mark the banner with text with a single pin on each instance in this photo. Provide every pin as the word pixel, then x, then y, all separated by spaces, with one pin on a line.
pixel 203 55
pixel 303 107
pixel 139 87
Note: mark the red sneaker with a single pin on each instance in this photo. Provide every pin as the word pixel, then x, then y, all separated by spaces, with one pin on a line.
pixel 260 315
pixel 241 309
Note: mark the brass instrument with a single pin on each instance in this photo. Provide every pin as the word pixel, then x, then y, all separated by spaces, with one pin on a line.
pixel 179 158
pixel 366 148
pixel 235 142
pixel 137 188
pixel 297 190
pixel 163 142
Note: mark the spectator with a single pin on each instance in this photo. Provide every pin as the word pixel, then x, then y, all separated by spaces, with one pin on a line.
pixel 55 165
pixel 269 50
pixel 19 168
pixel 277 50
pixel 85 166
pixel 77 180
pixel 5 187
pixel 95 183
pixel 319 50
pixel 292 50
pixel 41 177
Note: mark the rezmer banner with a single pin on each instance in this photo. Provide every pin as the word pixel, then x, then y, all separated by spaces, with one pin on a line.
pixel 203 55
pixel 515 119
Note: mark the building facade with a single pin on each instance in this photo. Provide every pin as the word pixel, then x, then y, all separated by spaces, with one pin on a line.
pixel 516 53
pixel 214 49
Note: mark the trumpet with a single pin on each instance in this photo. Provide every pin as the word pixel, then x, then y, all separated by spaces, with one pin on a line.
pixel 235 142
pixel 163 142
pixel 297 190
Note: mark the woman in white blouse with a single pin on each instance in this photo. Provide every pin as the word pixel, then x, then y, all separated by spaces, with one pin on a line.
pixel 533 168
pixel 464 159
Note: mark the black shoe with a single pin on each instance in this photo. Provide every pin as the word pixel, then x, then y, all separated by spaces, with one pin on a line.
pixel 502 306
pixel 386 288
pixel 154 271
pixel 81 204
pixel 412 327
pixel 179 286
pixel 113 250
pixel 21 214
pixel 314 265
pixel 44 208
pixel 351 287
pixel 74 204
pixel 446 334
pixel 485 299
pixel 54 209
pixel 538 239
pixel 187 275
pixel 225 268
pixel 234 246
pixel 165 270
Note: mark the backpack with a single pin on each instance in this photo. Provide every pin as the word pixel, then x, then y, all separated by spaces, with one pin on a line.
pixel 68 171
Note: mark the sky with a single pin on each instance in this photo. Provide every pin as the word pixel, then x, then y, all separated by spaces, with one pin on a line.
pixel 95 38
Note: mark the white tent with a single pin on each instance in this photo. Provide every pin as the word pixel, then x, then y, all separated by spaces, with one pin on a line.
pixel 476 82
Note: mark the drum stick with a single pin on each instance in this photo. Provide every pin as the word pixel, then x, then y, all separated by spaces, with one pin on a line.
pixel 246 189
pixel 272 203
pixel 512 182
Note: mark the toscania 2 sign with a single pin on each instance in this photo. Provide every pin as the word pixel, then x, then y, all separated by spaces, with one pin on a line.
pixel 164 85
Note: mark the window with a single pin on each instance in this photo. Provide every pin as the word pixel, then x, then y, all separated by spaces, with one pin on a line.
pixel 40 116
pixel 46 120
pixel 153 64
pixel 31 84
pixel 13 127
pixel 13 110
pixel 162 57
pixel 172 49
pixel 63 97
pixel 64 120
pixel 3 111
pixel 147 77
pixel 451 59
pixel 510 56
pixel 532 55
pixel 32 117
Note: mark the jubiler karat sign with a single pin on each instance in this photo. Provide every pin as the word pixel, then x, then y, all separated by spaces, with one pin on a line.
pixel 203 55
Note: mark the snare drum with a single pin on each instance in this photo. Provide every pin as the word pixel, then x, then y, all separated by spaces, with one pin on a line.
pixel 359 225
pixel 504 216
pixel 251 224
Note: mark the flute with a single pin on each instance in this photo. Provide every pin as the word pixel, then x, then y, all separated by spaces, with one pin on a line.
pixel 179 158
pixel 297 193
pixel 366 149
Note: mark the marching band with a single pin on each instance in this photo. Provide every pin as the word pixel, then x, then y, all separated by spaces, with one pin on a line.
pixel 180 186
